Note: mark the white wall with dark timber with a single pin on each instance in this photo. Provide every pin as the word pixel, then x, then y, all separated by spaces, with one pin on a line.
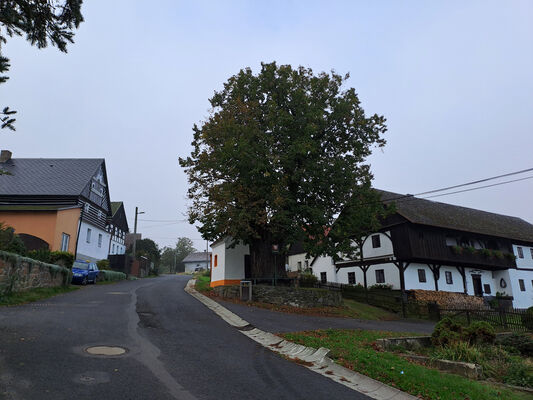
pixel 524 256
pixel 522 294
pixel 384 248
pixel 92 248
pixel 456 284
pixel 297 262
pixel 412 280
pixel 324 264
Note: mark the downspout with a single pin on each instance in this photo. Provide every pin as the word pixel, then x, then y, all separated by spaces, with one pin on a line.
pixel 79 231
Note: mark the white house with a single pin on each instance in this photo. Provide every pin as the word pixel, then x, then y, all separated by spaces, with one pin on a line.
pixel 229 264
pixel 436 246
pixel 197 261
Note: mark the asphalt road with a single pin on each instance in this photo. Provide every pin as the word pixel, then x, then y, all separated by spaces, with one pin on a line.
pixel 278 322
pixel 177 349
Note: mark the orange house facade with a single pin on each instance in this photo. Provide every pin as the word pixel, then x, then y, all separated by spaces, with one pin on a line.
pixel 56 226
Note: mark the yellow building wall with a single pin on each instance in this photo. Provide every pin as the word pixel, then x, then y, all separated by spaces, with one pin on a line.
pixel 47 225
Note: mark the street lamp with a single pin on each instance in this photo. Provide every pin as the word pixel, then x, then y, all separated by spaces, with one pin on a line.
pixel 137 212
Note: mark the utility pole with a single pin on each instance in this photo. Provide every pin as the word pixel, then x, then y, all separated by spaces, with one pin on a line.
pixel 137 212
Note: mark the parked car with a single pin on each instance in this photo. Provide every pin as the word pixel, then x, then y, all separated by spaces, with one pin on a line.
pixel 84 272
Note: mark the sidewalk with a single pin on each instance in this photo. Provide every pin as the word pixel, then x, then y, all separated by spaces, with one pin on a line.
pixel 279 322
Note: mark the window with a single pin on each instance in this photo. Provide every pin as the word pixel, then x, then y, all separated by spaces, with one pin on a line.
pixel 65 239
pixel 86 207
pixel 323 277
pixel 306 264
pixel 422 275
pixel 531 250
pixel 216 260
pixel 522 285
pixel 88 239
pixel 100 214
pixel 449 278
pixel 113 247
pixel 99 240
pixel 380 276
pixel 376 241
pixel 351 278
pixel 299 265
pixel 486 288
pixel 520 252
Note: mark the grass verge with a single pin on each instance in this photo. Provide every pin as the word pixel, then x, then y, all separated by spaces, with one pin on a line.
pixel 34 295
pixel 356 350
pixel 202 284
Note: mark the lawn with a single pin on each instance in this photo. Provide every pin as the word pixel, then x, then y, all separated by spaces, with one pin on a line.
pixel 202 283
pixel 34 295
pixel 356 350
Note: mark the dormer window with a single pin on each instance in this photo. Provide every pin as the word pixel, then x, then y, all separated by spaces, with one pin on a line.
pixel 86 207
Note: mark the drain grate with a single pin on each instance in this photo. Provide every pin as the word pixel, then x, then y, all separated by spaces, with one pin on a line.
pixel 105 350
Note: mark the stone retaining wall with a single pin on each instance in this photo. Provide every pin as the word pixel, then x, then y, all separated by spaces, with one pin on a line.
pixel 296 297
pixel 20 273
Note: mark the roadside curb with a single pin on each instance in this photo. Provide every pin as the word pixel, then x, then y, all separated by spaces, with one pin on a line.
pixel 314 359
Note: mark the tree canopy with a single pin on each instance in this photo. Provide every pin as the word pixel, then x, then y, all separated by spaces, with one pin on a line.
pixel 43 22
pixel 172 258
pixel 147 248
pixel 280 157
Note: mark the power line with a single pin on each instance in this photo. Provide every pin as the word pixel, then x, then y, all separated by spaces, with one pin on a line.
pixel 164 220
pixel 479 187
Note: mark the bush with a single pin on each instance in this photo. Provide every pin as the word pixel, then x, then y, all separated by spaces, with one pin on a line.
pixel 458 351
pixel 111 276
pixel 381 286
pixel 519 373
pixel 527 319
pixel 40 255
pixel 307 280
pixel 103 264
pixel 479 332
pixel 517 343
pixel 63 258
pixel 10 242
pixel 446 332
pixel 207 273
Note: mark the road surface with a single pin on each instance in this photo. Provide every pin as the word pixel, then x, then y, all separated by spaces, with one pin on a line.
pixel 176 349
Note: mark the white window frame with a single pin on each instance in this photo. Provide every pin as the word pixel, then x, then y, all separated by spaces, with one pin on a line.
pixel 65 241
pixel 88 238
pixel 100 239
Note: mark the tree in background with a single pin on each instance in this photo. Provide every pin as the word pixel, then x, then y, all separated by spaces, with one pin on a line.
pixel 43 22
pixel 10 241
pixel 149 249
pixel 282 154
pixel 172 258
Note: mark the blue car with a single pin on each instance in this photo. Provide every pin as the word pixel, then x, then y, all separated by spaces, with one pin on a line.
pixel 84 272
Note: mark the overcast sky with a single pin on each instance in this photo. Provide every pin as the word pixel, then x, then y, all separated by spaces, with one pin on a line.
pixel 453 78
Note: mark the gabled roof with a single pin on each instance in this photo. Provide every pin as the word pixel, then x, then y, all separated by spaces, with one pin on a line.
pixel 115 205
pixel 196 257
pixel 442 215
pixel 47 176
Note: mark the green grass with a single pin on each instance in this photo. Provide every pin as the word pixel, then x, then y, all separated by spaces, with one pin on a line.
pixel 202 283
pixel 354 309
pixel 34 295
pixel 355 350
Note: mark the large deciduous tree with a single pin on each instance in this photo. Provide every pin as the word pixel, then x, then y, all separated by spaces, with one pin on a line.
pixel 280 157
pixel 43 22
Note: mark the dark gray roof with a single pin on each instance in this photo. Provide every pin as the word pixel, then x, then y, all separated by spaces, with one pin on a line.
pixel 47 176
pixel 433 213
pixel 195 257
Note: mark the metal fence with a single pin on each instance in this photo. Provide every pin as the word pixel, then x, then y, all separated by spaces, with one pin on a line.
pixel 503 318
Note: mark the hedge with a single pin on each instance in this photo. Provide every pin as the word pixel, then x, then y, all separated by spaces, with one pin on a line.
pixel 105 275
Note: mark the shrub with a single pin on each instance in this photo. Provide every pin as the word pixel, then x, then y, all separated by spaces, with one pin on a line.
pixel 517 343
pixel 63 258
pixel 307 280
pixel 446 332
pixel 485 253
pixel 381 286
pixel 103 264
pixel 519 373
pixel 40 255
pixel 457 249
pixel 498 254
pixel 10 242
pixel 111 275
pixel 458 351
pixel 479 332
pixel 207 273
pixel 470 250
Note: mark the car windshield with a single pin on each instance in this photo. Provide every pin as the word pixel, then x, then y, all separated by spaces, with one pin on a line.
pixel 80 265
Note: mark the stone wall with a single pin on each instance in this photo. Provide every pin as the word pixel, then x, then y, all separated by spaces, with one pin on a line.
pixel 20 273
pixel 296 297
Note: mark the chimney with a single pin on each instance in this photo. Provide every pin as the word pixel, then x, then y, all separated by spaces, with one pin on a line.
pixel 5 155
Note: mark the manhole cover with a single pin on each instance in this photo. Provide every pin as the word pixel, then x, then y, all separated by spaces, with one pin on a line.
pixel 105 350
pixel 87 378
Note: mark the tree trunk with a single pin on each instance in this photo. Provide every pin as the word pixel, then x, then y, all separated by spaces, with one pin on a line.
pixel 264 263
